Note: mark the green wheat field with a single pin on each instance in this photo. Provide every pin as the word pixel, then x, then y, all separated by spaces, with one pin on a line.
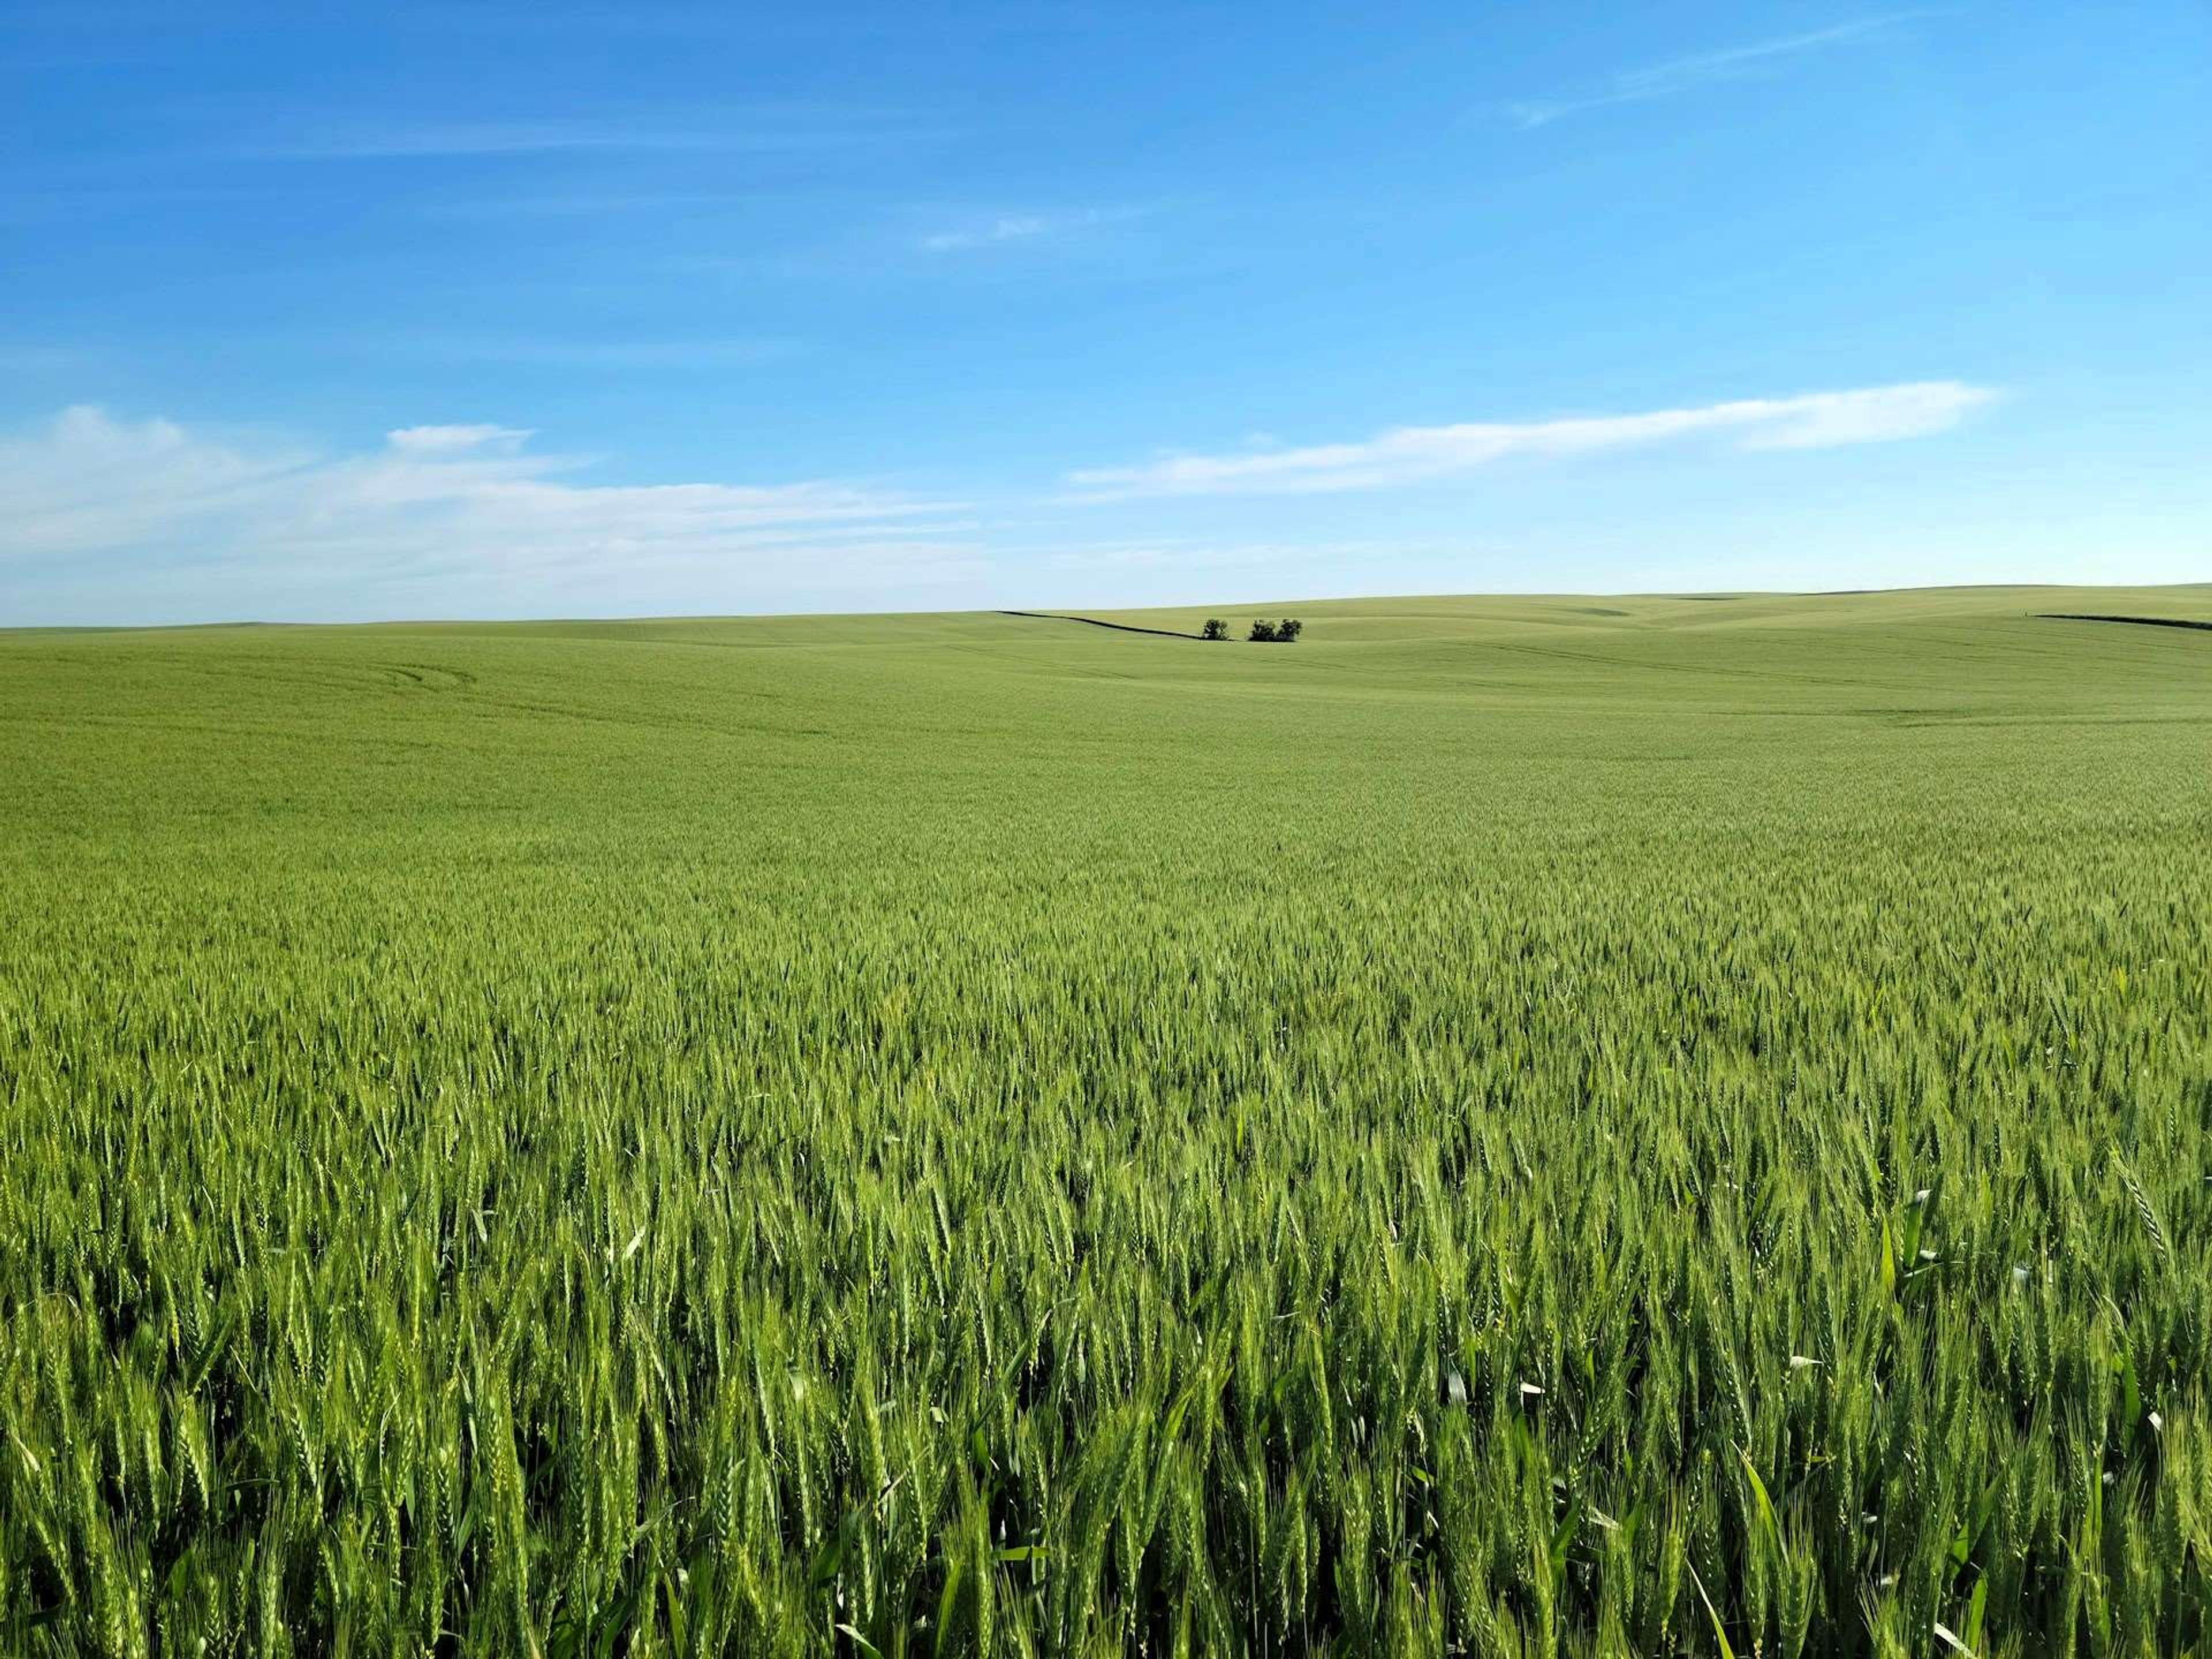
pixel 1508 1127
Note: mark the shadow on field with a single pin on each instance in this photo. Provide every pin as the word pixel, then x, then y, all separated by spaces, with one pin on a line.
pixel 2140 621
pixel 1093 622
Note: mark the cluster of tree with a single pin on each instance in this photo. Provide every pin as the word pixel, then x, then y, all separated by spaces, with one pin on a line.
pixel 1279 633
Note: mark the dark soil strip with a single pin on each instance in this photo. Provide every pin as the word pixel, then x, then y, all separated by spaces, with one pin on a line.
pixel 1119 627
pixel 2140 621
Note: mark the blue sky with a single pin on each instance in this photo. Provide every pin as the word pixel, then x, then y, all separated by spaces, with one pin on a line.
pixel 334 312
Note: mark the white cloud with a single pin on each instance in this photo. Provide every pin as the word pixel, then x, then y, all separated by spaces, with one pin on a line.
pixel 1680 75
pixel 1023 228
pixel 1410 454
pixel 464 514
pixel 452 440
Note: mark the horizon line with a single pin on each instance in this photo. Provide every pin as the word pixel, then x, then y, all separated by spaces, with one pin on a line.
pixel 1064 612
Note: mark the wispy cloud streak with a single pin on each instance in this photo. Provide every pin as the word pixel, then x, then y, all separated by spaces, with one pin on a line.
pixel 1024 227
pixel 1413 455
pixel 1681 74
